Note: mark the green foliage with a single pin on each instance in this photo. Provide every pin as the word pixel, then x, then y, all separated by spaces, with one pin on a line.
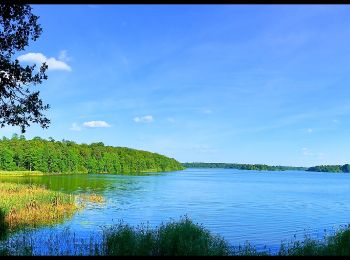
pixel 3 225
pixel 50 156
pixel 333 245
pixel 171 239
pixel 176 238
pixel 330 168
pixel 19 105
pixel 264 167
pixel 345 168
pixel 187 238
pixel 257 167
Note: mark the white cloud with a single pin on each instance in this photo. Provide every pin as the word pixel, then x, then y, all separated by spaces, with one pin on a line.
pixel 313 154
pixel 40 58
pixel 63 56
pixel 309 130
pixel 75 127
pixel 144 119
pixel 95 124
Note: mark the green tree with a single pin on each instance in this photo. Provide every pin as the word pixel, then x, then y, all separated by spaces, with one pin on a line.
pixel 345 168
pixel 19 105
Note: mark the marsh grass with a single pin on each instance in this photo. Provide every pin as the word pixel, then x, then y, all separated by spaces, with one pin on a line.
pixel 21 173
pixel 93 198
pixel 173 238
pixel 31 205
pixel 183 237
pixel 336 244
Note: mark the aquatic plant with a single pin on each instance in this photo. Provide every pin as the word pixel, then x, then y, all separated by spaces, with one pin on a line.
pixel 31 205
pixel 176 238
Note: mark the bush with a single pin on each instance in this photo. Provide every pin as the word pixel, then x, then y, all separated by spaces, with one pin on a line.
pixel 174 238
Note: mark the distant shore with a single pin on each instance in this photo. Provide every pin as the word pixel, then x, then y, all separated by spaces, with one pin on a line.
pixel 263 167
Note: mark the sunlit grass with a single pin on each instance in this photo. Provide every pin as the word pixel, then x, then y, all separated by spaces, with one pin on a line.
pixel 21 173
pixel 93 198
pixel 31 205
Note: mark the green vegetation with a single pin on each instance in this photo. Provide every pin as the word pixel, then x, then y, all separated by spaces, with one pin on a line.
pixel 20 103
pixel 337 244
pixel 176 238
pixel 257 167
pixel 30 205
pixel 171 239
pixel 330 168
pixel 264 167
pixel 3 225
pixel 21 173
pixel 50 156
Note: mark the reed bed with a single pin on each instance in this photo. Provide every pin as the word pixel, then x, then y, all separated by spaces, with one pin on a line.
pixel 32 205
pixel 175 238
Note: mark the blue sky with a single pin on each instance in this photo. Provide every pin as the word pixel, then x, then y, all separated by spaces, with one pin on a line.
pixel 213 83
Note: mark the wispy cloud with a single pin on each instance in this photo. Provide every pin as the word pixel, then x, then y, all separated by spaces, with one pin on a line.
pixel 63 56
pixel 170 119
pixel 144 119
pixel 309 130
pixel 318 155
pixel 96 124
pixel 39 58
pixel 75 127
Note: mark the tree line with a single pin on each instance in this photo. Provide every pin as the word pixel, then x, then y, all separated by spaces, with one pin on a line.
pixel 264 167
pixel 257 167
pixel 330 168
pixel 50 156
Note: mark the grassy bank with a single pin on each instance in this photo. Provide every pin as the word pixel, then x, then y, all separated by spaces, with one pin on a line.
pixel 21 173
pixel 33 173
pixel 30 205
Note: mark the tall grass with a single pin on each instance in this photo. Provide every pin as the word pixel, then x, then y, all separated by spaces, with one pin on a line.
pixel 30 205
pixel 175 238
pixel 21 173
pixel 337 244
pixel 3 225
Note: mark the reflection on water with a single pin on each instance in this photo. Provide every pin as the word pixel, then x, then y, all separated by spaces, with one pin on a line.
pixel 260 207
pixel 66 183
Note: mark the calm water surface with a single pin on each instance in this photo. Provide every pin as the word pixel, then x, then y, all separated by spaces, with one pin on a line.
pixel 261 207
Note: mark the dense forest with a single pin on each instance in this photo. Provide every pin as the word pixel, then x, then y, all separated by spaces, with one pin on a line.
pixel 330 168
pixel 64 156
pixel 258 167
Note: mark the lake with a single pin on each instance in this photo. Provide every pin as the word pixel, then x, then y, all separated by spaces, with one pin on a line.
pixel 261 207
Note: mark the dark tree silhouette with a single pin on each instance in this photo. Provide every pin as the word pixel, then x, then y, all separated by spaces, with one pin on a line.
pixel 19 106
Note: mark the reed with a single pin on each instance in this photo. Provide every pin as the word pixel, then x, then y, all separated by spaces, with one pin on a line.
pixel 31 205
